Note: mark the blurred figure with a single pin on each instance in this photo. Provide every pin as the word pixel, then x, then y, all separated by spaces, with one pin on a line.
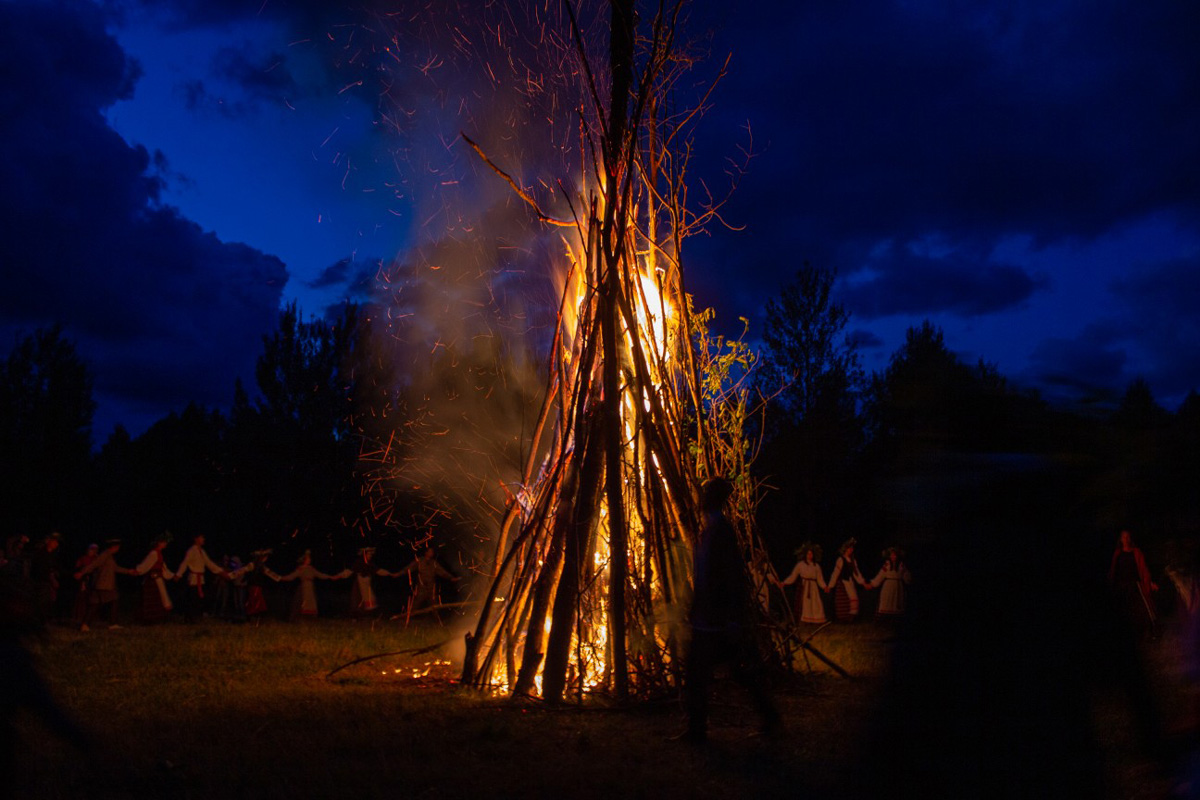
pixel 83 585
pixel 428 570
pixel 892 581
pixel 44 573
pixel 237 588
pixel 15 562
pixel 21 687
pixel 1129 578
pixel 721 619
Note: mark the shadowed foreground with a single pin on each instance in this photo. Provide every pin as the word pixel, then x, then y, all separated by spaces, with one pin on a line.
pixel 219 711
pixel 962 700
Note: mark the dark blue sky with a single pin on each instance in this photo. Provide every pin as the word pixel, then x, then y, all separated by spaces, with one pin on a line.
pixel 1027 178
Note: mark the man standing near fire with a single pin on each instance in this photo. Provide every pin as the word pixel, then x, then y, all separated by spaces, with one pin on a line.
pixel 195 562
pixel 721 619
pixel 424 594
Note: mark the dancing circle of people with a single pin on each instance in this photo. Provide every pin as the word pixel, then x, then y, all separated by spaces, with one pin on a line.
pixel 844 583
pixel 229 589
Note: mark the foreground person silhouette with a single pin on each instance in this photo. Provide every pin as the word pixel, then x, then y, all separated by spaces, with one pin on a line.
pixel 721 619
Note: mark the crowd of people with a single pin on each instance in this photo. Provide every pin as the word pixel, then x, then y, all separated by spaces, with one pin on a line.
pixel 812 590
pixel 198 585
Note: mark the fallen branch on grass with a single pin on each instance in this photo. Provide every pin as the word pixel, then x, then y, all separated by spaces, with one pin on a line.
pixel 412 651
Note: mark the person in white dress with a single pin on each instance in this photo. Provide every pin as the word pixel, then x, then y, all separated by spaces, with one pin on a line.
pixel 362 592
pixel 810 606
pixel 892 580
pixel 304 603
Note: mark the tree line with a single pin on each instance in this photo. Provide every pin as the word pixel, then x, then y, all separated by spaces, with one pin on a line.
pixel 875 456
pixel 280 469
pixel 920 451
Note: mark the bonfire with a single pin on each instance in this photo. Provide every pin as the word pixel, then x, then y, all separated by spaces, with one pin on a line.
pixel 589 587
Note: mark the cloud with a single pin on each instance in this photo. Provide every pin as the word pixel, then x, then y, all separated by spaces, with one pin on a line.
pixel 1092 363
pixel 354 281
pixel 164 312
pixel 1153 337
pixel 247 80
pixel 1163 323
pixel 899 281
pixel 891 120
pixel 862 339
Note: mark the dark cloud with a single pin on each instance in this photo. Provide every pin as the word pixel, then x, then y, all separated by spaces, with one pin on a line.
pixel 334 46
pixel 165 312
pixel 862 339
pixel 1091 364
pixel 901 282
pixel 354 281
pixel 262 75
pixel 889 121
pixel 247 79
pixel 1163 323
pixel 1154 337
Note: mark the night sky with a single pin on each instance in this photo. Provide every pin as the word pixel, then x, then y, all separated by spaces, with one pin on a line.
pixel 1026 176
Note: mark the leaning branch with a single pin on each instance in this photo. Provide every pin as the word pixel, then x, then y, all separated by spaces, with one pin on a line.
pixel 541 215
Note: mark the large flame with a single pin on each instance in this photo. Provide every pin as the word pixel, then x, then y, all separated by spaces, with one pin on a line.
pixel 655 330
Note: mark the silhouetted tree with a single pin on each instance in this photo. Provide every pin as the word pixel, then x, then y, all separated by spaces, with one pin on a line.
pixel 810 366
pixel 918 402
pixel 812 375
pixel 172 477
pixel 1138 409
pixel 294 447
pixel 46 409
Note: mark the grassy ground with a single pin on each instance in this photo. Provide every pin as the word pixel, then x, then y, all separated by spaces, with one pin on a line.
pixel 215 710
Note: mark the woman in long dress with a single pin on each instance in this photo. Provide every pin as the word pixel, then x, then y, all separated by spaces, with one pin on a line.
pixel 304 603
pixel 362 591
pixel 810 606
pixel 891 581
pixel 156 601
pixel 1130 580
pixel 845 579
pixel 257 575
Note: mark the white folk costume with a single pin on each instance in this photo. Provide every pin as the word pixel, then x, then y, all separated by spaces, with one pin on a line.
pixel 892 578
pixel 156 602
pixel 362 592
pixel 845 594
pixel 304 603
pixel 810 605
pixel 195 562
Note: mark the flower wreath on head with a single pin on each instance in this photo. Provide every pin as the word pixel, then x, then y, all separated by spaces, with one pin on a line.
pixel 805 547
pixel 887 554
pixel 846 545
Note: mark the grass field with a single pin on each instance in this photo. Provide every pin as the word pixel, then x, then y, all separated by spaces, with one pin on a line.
pixel 217 710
